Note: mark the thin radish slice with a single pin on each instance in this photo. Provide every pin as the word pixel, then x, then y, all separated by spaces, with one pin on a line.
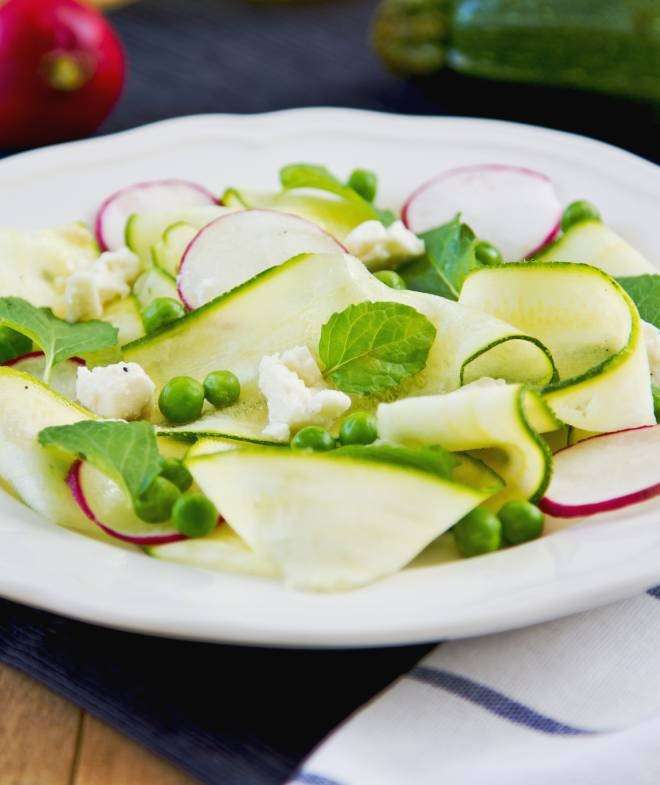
pixel 110 221
pixel 106 505
pixel 514 208
pixel 63 376
pixel 605 472
pixel 236 247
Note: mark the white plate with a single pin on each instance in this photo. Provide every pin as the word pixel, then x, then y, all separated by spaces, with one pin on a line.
pixel 574 569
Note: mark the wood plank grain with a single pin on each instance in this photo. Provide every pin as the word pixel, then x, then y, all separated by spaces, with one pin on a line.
pixel 106 757
pixel 38 732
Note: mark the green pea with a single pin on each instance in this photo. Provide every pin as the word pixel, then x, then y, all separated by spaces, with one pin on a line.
pixel 487 254
pixel 364 182
pixel 391 279
pixel 181 400
pixel 222 388
pixel 174 471
pixel 13 344
pixel 480 531
pixel 656 402
pixel 162 311
pixel 358 428
pixel 313 439
pixel 155 504
pixel 522 521
pixel 194 515
pixel 577 213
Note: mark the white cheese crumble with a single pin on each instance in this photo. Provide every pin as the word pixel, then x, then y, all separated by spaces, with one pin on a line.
pixel 652 340
pixel 296 394
pixel 378 246
pixel 87 291
pixel 119 392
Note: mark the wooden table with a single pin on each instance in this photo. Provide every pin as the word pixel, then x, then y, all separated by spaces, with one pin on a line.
pixel 45 740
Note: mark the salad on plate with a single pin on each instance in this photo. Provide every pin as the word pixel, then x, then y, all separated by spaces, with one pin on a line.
pixel 305 386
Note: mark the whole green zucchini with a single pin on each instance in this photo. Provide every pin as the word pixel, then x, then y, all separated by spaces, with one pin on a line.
pixel 611 46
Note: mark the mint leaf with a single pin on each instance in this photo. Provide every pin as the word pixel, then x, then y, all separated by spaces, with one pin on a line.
pixel 421 276
pixel 370 347
pixel 126 451
pixel 434 459
pixel 322 179
pixel 450 251
pixel 58 339
pixel 644 291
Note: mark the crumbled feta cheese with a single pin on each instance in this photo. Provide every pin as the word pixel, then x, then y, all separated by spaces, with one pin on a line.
pixel 296 394
pixel 81 297
pixel 652 340
pixel 120 392
pixel 301 362
pixel 87 291
pixel 378 246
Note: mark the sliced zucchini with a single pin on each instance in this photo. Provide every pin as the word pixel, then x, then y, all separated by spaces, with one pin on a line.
pixel 594 243
pixel 223 550
pixel 210 444
pixel 243 422
pixel 168 251
pixel 152 284
pixel 558 439
pixel 498 423
pixel 35 474
pixel 63 375
pixel 337 216
pixel 144 230
pixel 171 447
pixel 125 316
pixel 32 262
pixel 590 326
pixel 286 306
pixel 326 522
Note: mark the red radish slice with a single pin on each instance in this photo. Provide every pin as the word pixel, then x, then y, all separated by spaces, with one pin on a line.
pixel 62 378
pixel 605 472
pixel 106 505
pixel 235 247
pixel 514 208
pixel 110 221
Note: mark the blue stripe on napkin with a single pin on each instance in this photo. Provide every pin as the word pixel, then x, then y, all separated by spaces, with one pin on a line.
pixel 493 701
pixel 309 778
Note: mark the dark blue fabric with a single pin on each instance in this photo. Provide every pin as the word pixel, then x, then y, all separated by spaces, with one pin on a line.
pixel 229 715
pixel 235 716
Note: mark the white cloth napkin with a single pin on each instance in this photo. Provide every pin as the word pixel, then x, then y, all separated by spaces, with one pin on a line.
pixel 570 702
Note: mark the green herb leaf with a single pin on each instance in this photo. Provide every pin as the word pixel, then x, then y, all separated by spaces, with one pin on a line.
pixel 319 177
pixel 434 459
pixel 58 339
pixel 371 347
pixel 449 258
pixel 421 276
pixel 450 250
pixel 644 291
pixel 322 179
pixel 126 451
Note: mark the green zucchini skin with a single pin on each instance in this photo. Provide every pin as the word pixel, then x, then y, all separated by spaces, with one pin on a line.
pixel 610 46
